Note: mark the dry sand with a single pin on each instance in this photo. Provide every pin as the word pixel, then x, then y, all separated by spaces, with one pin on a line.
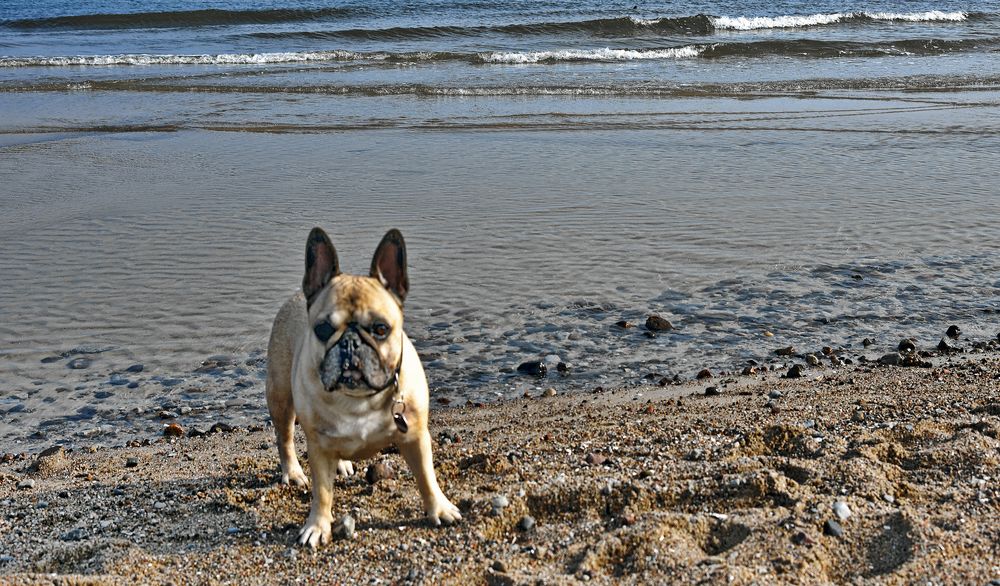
pixel 651 485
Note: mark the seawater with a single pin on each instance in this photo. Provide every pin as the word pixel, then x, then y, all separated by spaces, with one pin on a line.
pixel 760 175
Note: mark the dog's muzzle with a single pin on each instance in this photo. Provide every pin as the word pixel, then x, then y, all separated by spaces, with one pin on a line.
pixel 354 363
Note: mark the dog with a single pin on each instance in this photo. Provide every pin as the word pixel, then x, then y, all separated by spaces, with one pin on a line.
pixel 339 361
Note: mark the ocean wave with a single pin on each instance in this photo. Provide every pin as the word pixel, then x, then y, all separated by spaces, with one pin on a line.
pixel 225 59
pixel 743 23
pixel 605 54
pixel 184 18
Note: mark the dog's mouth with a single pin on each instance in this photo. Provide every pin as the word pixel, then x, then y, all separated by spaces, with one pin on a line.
pixel 351 366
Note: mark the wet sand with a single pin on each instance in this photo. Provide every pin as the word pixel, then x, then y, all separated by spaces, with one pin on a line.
pixel 637 485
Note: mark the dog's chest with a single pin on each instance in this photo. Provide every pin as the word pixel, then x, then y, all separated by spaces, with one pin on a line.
pixel 356 435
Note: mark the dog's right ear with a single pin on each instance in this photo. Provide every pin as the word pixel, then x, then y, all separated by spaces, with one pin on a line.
pixel 321 264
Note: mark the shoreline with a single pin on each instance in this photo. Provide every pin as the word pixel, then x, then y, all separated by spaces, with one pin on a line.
pixel 635 485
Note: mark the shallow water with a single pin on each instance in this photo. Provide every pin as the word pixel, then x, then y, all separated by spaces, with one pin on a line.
pixel 155 214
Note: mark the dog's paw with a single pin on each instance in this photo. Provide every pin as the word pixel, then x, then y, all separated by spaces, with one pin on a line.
pixel 345 468
pixel 295 476
pixel 315 532
pixel 443 512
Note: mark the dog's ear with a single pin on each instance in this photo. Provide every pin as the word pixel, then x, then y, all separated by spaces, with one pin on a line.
pixel 321 264
pixel 389 264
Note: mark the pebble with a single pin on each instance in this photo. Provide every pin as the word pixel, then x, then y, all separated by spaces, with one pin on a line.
pixel 131 462
pixel 833 528
pixel 499 503
pixel 549 392
pixel 77 534
pixel 944 346
pixel 344 528
pixel 534 368
pixel 867 342
pixel 953 332
pixel 232 530
pixel 786 351
pixel 749 370
pixel 795 371
pixel 812 360
pixel 220 428
pixel 26 483
pixel 135 368
pixel 167 415
pixel 775 394
pixel 906 345
pixel 655 323
pixel 379 471
pixel 173 430
pixel 624 324
pixel 159 505
pixel 712 391
pixel 79 363
pixel 562 368
pixel 888 498
pixel 842 511
pixel 6 559
pixel 527 523
pixel 891 359
pixel 499 566
pixel 595 459
pixel 704 373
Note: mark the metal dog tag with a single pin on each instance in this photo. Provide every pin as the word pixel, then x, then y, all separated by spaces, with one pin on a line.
pixel 397 415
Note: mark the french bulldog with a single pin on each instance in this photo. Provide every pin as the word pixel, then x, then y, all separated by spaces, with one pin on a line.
pixel 340 363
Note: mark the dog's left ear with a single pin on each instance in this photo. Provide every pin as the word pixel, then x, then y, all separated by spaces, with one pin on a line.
pixel 389 264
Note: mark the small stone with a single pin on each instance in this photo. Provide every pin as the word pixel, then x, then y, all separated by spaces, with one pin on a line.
pixel 499 567
pixel 6 559
pixel 173 430
pixel 77 534
pixel 944 346
pixel 196 432
pixel 344 528
pixel 533 368
pixel 775 394
pixel 499 503
pixel 595 459
pixel 159 505
pixel 655 323
pixel 749 370
pixel 832 528
pixel 624 324
pixel 786 351
pixel 527 523
pixel 51 359
pixel 704 373
pixel 79 363
pixel 907 345
pixel 549 392
pixel 712 391
pixel 562 368
pixel 167 414
pixel 135 368
pixel 26 483
pixel 131 462
pixel 812 360
pixel 794 372
pixel 802 538
pixel 220 428
pixel 379 471
pixel 891 359
pixel 842 511
pixel 232 530
pixel 888 498
pixel 953 332
pixel 867 342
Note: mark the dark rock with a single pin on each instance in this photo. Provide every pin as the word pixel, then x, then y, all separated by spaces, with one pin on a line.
pixel 712 391
pixel 595 459
pixel 173 430
pixel 344 528
pixel 562 368
pixel 775 394
pixel 132 385
pixel 135 368
pixel 79 363
pixel 624 324
pixel 749 370
pixel 195 432
pixel 906 345
pixel 867 342
pixel 826 350
pixel 786 351
pixel 704 373
pixel 499 567
pixel 131 462
pixel 794 372
pixel 118 380
pixel 167 414
pixel 801 538
pixel 833 528
pixel 220 428
pixel 891 359
pixel 953 332
pixel 51 359
pixel 945 346
pixel 655 323
pixel 28 483
pixel 78 534
pixel 379 471
pixel 533 368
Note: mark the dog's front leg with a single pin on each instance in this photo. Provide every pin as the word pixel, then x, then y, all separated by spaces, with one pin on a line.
pixel 417 454
pixel 317 528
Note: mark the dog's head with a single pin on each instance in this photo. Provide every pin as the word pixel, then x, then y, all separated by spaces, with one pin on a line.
pixel 356 323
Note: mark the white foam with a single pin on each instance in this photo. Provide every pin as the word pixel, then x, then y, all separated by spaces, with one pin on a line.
pixel 605 54
pixel 743 23
pixel 223 59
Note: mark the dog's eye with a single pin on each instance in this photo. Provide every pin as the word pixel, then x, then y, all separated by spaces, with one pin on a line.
pixel 380 331
pixel 323 331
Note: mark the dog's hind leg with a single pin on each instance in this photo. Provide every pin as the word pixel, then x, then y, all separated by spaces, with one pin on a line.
pixel 279 403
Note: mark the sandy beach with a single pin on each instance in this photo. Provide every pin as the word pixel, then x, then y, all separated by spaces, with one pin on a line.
pixel 857 474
